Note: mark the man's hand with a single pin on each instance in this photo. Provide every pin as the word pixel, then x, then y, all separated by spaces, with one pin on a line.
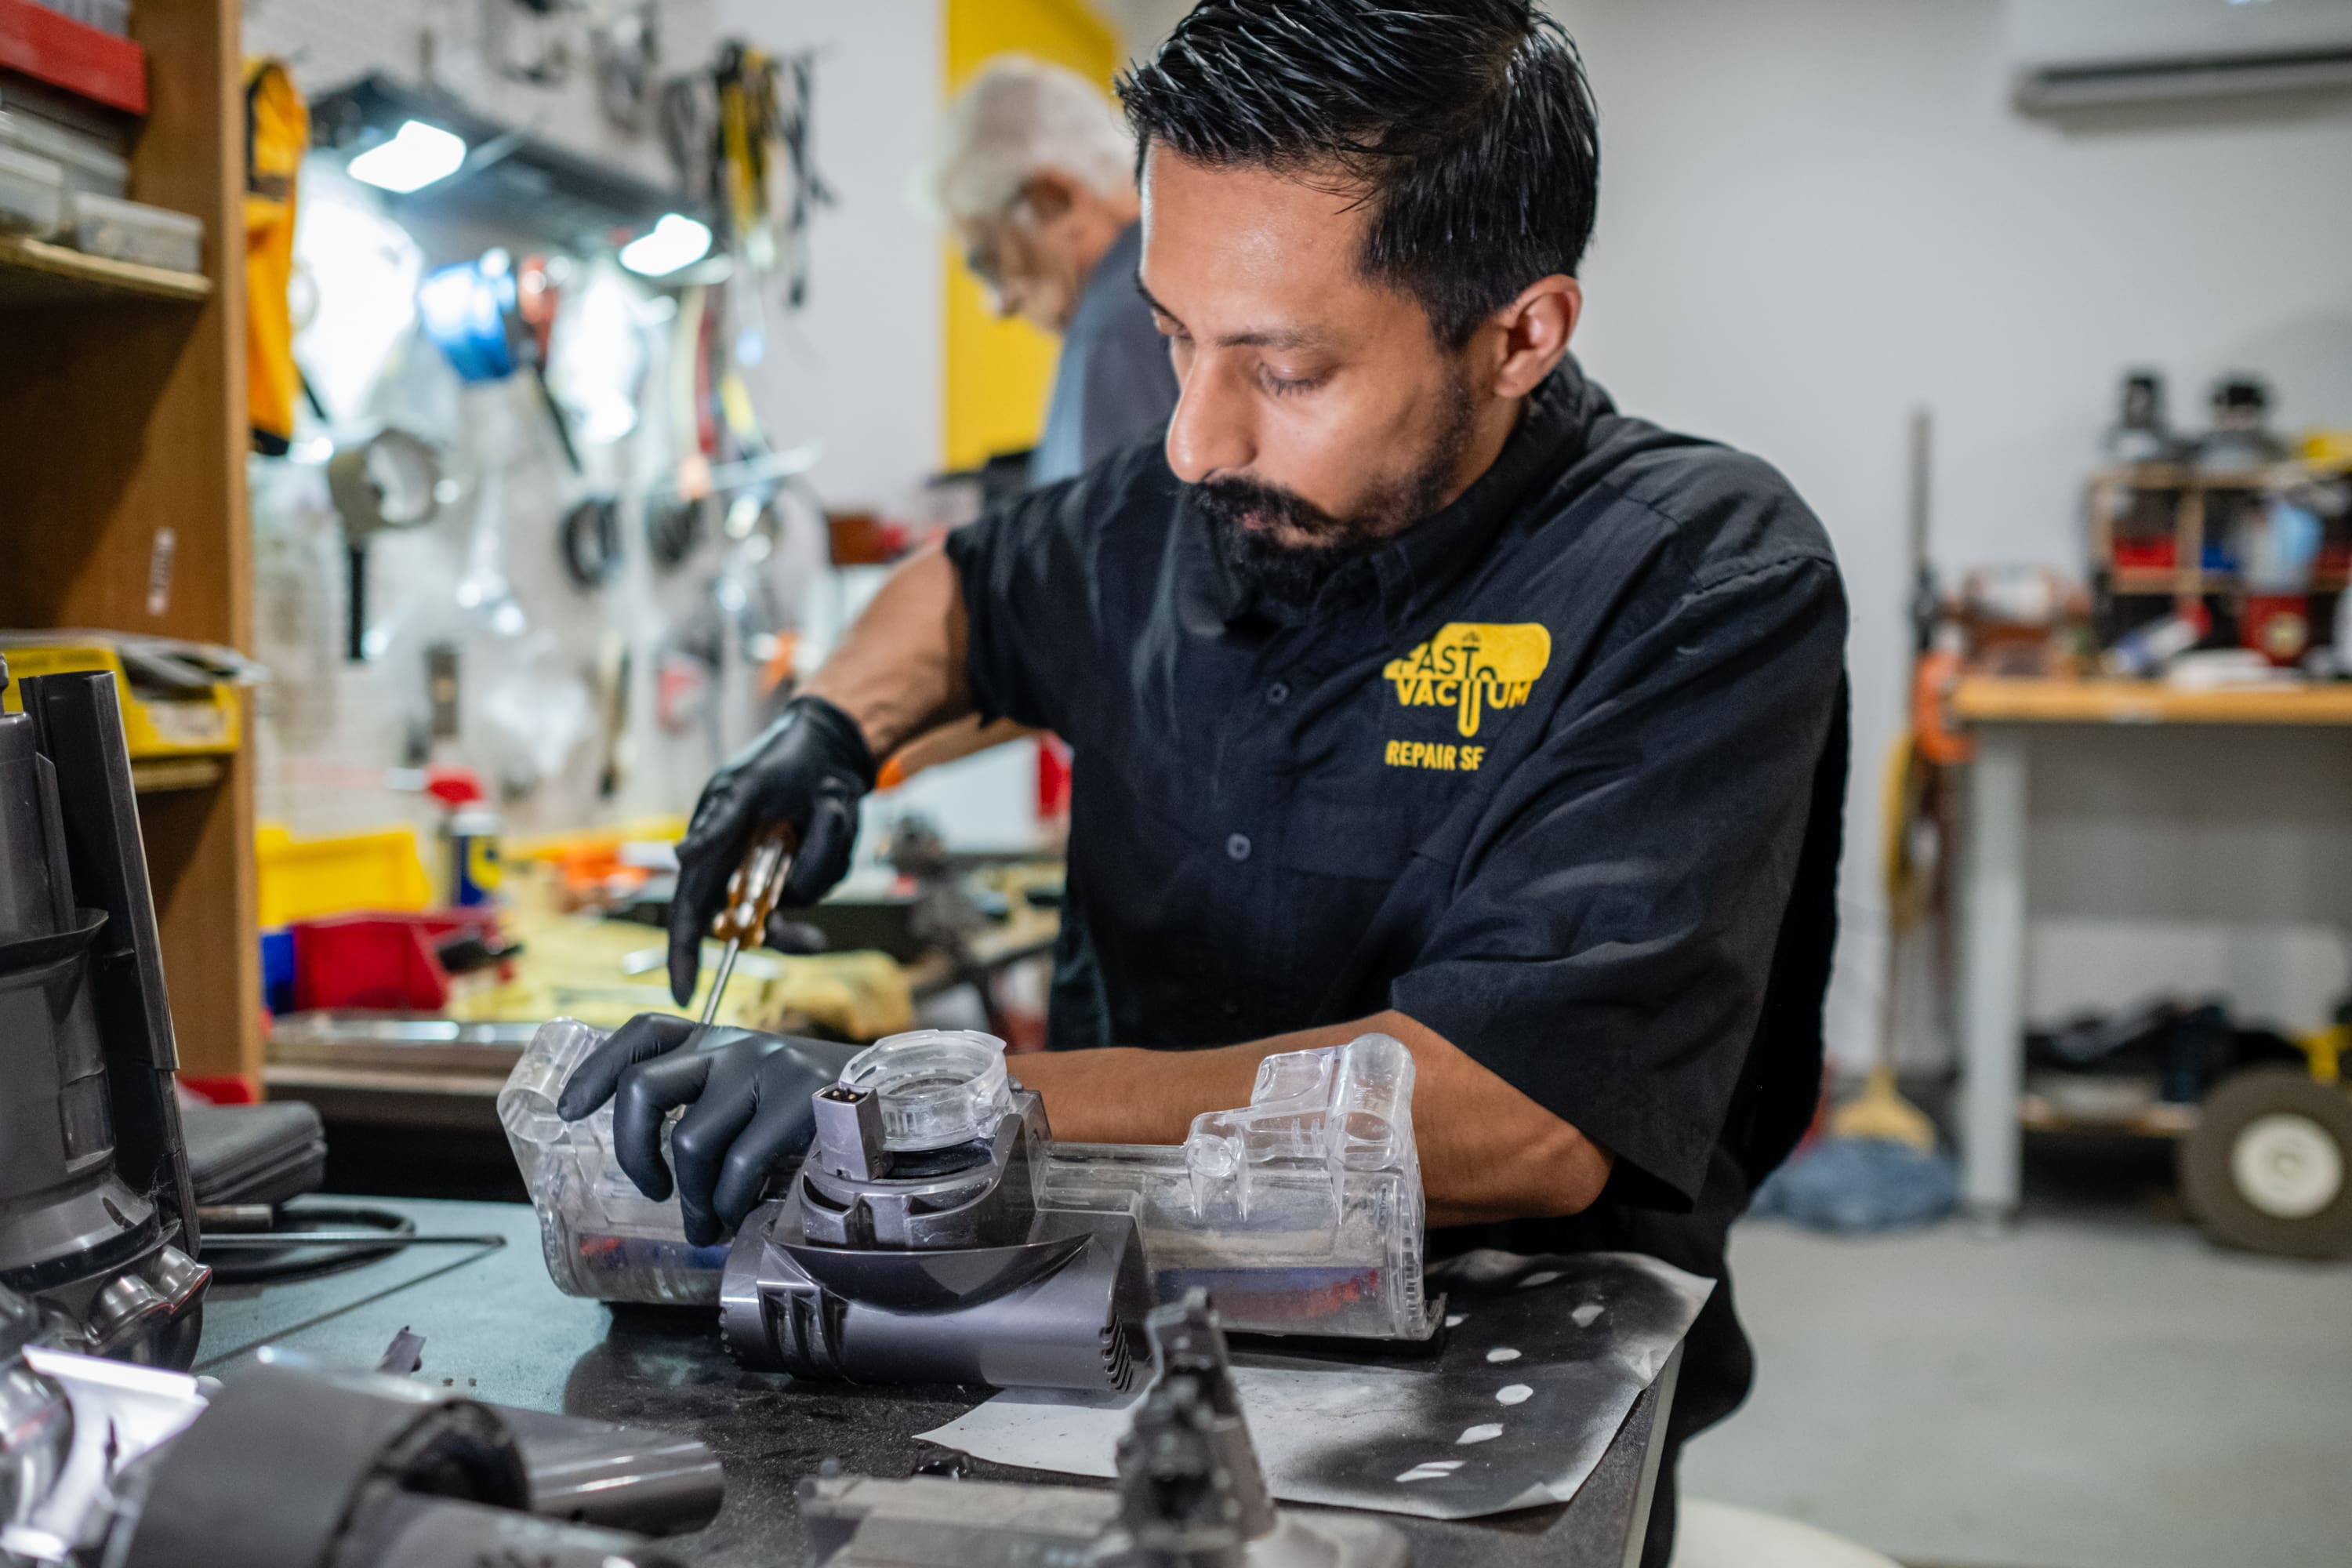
pixel 748 1095
pixel 808 769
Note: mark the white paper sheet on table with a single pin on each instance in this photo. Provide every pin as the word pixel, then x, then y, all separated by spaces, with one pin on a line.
pixel 1544 1358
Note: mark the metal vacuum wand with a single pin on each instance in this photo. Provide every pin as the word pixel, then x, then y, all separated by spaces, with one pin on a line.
pixel 752 894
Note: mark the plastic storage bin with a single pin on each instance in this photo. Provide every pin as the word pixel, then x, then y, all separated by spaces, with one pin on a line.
pixel 32 195
pixel 306 878
pixel 87 163
pixel 133 231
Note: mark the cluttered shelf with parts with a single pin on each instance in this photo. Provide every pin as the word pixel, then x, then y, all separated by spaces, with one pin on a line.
pixel 130 445
pixel 2015 700
pixel 35 272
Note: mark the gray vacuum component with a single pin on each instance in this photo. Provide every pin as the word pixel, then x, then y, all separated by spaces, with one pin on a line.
pixel 407 1531
pixel 96 1221
pixel 288 1466
pixel 326 1450
pixel 1191 1488
pixel 590 1472
pixel 934 1266
pixel 1190 1494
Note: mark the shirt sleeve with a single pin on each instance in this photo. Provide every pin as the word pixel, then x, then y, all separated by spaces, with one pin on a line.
pixel 1614 914
pixel 1034 580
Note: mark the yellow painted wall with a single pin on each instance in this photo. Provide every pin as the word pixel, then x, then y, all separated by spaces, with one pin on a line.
pixel 999 372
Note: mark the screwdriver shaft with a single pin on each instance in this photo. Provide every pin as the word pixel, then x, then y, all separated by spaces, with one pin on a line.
pixel 719 978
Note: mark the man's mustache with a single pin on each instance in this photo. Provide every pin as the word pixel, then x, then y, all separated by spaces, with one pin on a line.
pixel 1250 503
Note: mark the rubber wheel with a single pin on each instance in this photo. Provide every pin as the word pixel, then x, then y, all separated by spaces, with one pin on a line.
pixel 2269 1165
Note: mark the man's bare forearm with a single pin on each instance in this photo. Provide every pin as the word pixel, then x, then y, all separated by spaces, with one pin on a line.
pixel 899 670
pixel 1487 1152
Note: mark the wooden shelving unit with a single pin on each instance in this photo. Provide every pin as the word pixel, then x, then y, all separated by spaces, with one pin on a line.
pixel 123 498
pixel 2183 502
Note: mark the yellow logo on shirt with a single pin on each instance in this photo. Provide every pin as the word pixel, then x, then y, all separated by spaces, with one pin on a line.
pixel 1470 668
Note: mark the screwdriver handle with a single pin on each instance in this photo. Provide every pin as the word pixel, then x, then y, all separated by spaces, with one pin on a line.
pixel 754 886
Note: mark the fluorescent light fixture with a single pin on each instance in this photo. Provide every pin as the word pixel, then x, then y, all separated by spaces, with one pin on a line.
pixel 676 241
pixel 416 155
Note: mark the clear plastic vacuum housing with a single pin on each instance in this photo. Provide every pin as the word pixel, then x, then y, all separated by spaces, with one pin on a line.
pixel 603 1239
pixel 1301 1212
pixel 937 1087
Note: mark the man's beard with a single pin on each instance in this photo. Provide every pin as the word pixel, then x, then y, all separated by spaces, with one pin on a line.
pixel 1249 515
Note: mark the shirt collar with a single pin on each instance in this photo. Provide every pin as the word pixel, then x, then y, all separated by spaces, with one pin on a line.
pixel 1431 556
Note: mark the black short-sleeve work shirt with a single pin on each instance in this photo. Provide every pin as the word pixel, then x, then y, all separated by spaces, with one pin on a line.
pixel 1538 774
pixel 1557 772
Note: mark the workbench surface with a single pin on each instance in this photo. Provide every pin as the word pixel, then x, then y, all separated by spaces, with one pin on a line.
pixel 496 1329
pixel 2008 700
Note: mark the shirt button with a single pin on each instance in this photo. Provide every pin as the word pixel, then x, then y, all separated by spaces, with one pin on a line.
pixel 1231 1008
pixel 1277 694
pixel 1237 848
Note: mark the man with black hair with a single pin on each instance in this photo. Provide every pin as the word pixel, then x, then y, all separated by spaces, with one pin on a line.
pixel 1413 687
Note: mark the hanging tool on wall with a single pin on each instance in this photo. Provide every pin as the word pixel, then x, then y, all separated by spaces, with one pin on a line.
pixel 590 537
pixel 739 136
pixel 390 480
pixel 277 135
pixel 491 318
pixel 539 291
pixel 626 50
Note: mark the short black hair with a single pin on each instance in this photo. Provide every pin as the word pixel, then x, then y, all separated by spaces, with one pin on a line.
pixel 1466 124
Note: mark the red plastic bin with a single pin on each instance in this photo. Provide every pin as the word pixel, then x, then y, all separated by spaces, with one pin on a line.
pixel 380 961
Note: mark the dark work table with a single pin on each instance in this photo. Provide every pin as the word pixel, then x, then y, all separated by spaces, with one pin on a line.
pixel 497 1329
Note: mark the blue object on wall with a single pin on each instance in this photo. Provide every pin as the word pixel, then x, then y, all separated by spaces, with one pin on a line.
pixel 468 309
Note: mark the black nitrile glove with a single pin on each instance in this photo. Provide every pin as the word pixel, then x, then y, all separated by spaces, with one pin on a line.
pixel 808 769
pixel 748 1100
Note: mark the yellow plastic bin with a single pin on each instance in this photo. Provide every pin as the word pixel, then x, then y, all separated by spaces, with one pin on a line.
pixel 305 878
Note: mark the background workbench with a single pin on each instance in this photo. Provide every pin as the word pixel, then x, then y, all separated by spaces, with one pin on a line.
pixel 2133 801
pixel 496 1329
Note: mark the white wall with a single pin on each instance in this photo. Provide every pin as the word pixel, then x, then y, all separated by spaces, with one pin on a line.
pixel 1817 213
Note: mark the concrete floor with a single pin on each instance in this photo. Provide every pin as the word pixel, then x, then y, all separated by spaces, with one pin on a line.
pixel 2096 1386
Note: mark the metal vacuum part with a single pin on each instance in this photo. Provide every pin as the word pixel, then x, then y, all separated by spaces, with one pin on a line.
pixel 97 1221
pixel 1190 1494
pixel 935 1265
pixel 287 1467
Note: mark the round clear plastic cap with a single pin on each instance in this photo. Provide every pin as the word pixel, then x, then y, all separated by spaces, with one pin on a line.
pixel 937 1087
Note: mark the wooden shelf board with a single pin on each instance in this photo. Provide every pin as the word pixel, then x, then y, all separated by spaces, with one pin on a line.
pixel 2042 1113
pixel 151 775
pixel 34 272
pixel 2007 699
pixel 2166 580
pixel 2180 476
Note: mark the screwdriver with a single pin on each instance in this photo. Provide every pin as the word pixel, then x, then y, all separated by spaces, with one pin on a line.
pixel 752 894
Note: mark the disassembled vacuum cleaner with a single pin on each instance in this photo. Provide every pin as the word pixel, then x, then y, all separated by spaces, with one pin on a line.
pixel 935 1232
pixel 1190 1494
pixel 136 1467
pixel 96 1220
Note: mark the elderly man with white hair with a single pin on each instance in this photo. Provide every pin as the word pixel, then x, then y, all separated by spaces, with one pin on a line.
pixel 1035 172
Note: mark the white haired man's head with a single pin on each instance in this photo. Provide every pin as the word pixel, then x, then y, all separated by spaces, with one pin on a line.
pixel 1036 172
